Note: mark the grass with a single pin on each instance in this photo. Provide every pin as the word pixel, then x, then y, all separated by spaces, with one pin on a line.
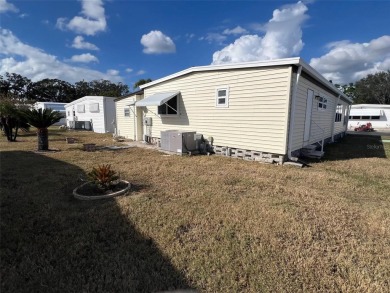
pixel 213 224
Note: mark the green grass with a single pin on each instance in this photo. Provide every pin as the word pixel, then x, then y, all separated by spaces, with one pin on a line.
pixel 213 224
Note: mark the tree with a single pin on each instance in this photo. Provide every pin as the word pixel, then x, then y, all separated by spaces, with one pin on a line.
pixel 348 89
pixel 374 89
pixel 16 85
pixel 52 90
pixel 42 119
pixel 108 89
pixel 141 82
pixel 11 118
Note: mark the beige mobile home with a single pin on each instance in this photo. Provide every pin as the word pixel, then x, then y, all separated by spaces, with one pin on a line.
pixel 267 109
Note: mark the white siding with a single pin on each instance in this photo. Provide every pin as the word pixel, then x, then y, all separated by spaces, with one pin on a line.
pixel 129 127
pixel 322 120
pixel 256 118
pixel 98 119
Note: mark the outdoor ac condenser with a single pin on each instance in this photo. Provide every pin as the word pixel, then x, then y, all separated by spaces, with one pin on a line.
pixel 177 141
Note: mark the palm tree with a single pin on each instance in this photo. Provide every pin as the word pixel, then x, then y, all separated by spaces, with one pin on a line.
pixel 42 119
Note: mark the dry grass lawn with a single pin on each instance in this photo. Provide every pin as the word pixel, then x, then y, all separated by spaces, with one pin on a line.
pixel 213 224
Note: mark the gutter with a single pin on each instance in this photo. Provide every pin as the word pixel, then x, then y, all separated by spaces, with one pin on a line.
pixel 292 116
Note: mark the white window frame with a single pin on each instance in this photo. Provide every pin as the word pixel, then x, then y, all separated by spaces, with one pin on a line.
pixel 80 108
pixel 226 97
pixel 94 108
pixel 339 113
pixel 322 103
pixel 126 112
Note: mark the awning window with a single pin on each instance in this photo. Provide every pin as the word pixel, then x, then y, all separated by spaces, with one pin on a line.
pixel 156 99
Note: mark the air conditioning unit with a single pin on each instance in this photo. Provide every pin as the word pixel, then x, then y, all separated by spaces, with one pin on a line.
pixel 177 141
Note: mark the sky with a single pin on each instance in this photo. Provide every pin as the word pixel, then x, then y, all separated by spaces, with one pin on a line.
pixel 125 40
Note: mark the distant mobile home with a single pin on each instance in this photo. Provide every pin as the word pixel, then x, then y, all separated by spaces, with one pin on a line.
pixel 60 107
pixel 376 114
pixel 268 108
pixel 96 113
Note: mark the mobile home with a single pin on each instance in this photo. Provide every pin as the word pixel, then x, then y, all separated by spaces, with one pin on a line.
pixel 96 113
pixel 267 109
pixel 376 114
pixel 60 107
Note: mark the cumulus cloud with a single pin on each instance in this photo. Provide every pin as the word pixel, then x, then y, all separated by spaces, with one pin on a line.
pixel 140 72
pixel 5 6
pixel 79 43
pixel 36 64
pixel 156 42
pixel 128 70
pixel 92 21
pixel 348 62
pixel 283 38
pixel 84 58
pixel 238 30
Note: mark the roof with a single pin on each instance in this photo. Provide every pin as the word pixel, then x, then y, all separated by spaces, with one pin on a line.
pixel 139 92
pixel 86 98
pixel 371 106
pixel 297 61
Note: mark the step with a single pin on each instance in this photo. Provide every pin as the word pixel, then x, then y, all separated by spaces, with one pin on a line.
pixel 310 147
pixel 313 154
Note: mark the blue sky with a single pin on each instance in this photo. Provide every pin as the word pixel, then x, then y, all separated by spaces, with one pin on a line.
pixel 128 40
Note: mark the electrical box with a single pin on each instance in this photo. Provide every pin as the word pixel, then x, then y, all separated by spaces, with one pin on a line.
pixel 178 141
pixel 148 121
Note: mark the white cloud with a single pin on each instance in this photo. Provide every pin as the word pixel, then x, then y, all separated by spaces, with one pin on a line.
pixel 128 70
pixel 214 38
pixel 140 72
pixel 238 30
pixel 189 37
pixel 5 6
pixel 156 42
pixel 84 58
pixel 348 62
pixel 36 64
pixel 283 38
pixel 92 21
pixel 79 43
pixel 113 72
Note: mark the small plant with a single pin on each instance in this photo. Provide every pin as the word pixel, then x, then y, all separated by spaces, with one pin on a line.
pixel 103 176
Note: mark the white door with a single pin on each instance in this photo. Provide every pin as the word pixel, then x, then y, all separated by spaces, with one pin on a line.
pixel 309 107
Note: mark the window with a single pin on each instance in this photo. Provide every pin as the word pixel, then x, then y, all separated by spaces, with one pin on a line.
pixel 366 117
pixel 322 103
pixel 80 109
pixel 375 117
pixel 127 112
pixel 339 113
pixel 94 107
pixel 74 113
pixel 222 97
pixel 356 117
pixel 169 108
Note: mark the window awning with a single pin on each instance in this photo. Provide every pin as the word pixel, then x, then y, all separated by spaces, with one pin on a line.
pixel 156 99
pixel 365 112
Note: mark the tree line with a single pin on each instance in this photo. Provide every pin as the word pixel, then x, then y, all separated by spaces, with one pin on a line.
pixel 56 90
pixel 372 89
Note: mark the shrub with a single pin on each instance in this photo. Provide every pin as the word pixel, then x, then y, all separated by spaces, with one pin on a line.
pixel 103 176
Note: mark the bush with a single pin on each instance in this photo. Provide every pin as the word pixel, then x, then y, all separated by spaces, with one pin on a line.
pixel 103 176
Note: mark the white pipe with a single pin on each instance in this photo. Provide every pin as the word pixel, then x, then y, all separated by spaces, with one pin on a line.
pixel 292 116
pixel 334 118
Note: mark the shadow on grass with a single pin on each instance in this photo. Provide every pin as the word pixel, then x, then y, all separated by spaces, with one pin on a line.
pixel 52 242
pixel 357 146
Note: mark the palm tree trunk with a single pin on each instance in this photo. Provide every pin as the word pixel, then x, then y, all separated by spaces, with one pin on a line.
pixel 43 139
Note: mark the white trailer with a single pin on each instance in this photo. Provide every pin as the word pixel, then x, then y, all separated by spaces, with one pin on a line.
pixel 60 107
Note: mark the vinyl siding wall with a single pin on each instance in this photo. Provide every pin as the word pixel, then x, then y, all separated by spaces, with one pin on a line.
pixel 256 118
pixel 125 125
pixel 322 120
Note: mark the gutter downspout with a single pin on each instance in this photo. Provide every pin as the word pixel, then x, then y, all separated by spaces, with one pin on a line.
pixel 334 118
pixel 292 116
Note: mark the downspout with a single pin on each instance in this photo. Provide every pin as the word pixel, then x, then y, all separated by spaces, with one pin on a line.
pixel 134 122
pixel 334 118
pixel 292 116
